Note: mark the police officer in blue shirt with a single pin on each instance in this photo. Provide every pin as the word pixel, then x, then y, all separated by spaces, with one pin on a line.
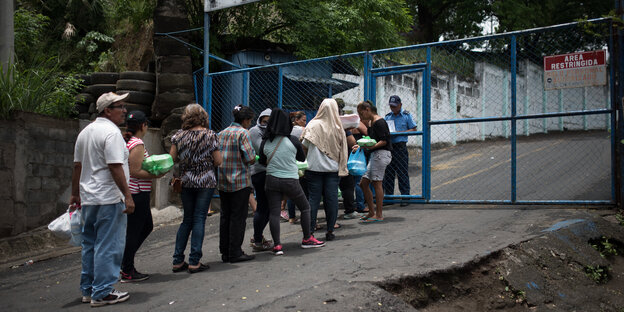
pixel 399 165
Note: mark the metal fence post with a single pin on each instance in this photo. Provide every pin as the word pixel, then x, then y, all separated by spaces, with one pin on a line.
pixel 245 96
pixel 426 176
pixel 366 73
pixel 544 110
pixel 513 119
pixel 280 85
pixel 206 64
pixel 505 102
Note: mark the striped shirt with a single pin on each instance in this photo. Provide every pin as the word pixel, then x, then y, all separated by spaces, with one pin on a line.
pixel 138 185
pixel 234 172
pixel 195 148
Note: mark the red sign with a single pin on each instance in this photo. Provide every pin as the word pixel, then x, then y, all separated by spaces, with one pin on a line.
pixel 574 70
pixel 574 60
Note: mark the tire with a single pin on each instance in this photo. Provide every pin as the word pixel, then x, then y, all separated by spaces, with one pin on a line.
pixel 136 85
pixel 104 78
pixel 138 75
pixel 175 83
pixel 92 108
pixel 138 97
pixel 86 79
pixel 82 109
pixel 84 116
pixel 84 98
pixel 98 89
pixel 138 107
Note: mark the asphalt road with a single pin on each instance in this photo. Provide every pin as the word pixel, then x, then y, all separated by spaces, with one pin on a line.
pixel 556 166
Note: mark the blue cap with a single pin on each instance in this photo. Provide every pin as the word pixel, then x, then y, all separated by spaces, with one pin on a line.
pixel 394 100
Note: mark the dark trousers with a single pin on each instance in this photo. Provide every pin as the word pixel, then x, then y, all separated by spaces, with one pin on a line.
pixel 275 189
pixel 140 225
pixel 398 167
pixel 347 187
pixel 291 204
pixel 232 223
pixel 325 185
pixel 261 217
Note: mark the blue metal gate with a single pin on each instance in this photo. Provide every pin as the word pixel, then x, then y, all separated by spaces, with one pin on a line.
pixel 488 129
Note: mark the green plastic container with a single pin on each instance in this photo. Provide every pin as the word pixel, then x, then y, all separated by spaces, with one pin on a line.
pixel 157 164
pixel 366 141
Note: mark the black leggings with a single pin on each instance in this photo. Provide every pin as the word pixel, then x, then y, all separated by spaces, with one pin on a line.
pixel 140 225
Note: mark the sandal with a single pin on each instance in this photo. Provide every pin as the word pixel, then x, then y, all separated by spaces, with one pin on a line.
pixel 200 268
pixel 181 268
pixel 337 225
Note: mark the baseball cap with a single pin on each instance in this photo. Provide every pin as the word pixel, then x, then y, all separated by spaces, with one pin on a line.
pixel 394 100
pixel 136 117
pixel 107 99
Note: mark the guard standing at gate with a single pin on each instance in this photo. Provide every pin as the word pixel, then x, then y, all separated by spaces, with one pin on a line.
pixel 399 166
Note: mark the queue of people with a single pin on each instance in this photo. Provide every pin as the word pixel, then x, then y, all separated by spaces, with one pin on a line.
pixel 113 190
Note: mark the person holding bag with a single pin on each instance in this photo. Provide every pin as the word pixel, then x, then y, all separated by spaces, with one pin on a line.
pixel 196 148
pixel 140 223
pixel 282 177
pixel 380 157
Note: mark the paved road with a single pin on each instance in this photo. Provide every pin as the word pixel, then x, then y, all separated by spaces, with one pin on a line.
pixel 556 166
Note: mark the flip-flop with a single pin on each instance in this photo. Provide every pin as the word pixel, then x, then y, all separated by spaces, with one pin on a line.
pixel 337 225
pixel 181 268
pixel 364 218
pixel 372 220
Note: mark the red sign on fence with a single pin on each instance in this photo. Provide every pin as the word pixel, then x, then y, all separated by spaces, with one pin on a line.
pixel 573 70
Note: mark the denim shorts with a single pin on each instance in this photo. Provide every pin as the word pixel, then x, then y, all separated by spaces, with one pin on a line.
pixel 377 164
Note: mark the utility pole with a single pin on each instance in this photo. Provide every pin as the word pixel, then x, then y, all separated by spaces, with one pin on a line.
pixel 6 33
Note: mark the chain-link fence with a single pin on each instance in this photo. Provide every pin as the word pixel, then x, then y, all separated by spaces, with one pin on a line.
pixel 492 124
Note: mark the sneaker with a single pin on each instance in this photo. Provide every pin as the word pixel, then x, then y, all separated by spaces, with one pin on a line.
pixel 265 241
pixel 311 243
pixel 277 250
pixel 329 236
pixel 284 215
pixel 133 277
pixel 261 247
pixel 352 215
pixel 86 299
pixel 112 298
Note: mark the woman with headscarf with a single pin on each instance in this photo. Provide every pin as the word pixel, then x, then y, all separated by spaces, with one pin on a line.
pixel 279 152
pixel 326 143
pixel 258 177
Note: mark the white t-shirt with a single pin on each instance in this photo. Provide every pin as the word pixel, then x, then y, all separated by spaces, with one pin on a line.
pixel 99 144
pixel 317 161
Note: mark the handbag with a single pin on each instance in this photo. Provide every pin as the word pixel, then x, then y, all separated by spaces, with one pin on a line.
pixel 357 163
pixel 176 185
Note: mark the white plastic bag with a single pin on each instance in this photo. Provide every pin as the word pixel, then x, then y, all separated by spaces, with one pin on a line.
pixel 76 224
pixel 60 226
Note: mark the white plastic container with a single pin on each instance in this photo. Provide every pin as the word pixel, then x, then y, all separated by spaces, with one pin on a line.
pixel 350 121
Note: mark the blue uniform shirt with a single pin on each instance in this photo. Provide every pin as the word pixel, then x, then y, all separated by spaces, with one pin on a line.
pixel 402 122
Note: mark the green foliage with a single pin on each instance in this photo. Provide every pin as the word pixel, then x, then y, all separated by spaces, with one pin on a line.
pixel 40 89
pixel 605 247
pixel 598 274
pixel 91 40
pixel 29 30
pixel 620 216
pixel 135 12
pixel 318 28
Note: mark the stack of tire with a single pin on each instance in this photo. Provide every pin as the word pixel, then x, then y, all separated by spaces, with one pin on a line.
pixel 84 99
pixel 141 87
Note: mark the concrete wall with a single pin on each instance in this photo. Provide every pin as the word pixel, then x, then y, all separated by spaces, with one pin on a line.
pixel 36 156
pixel 486 94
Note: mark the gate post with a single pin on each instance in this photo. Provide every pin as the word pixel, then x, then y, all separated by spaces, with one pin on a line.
pixel 513 119
pixel 426 127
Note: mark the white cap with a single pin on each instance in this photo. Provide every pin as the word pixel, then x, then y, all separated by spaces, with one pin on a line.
pixel 107 99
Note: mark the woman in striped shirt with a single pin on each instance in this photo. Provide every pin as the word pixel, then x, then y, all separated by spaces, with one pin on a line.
pixel 140 222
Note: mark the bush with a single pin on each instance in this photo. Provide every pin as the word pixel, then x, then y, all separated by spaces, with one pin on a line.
pixel 40 89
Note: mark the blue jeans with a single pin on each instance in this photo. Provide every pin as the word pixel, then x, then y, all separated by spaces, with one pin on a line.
pixel 104 239
pixel 323 184
pixel 360 205
pixel 261 217
pixel 195 202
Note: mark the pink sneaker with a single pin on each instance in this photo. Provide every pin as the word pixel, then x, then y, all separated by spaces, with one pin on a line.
pixel 312 243
pixel 277 250
pixel 284 215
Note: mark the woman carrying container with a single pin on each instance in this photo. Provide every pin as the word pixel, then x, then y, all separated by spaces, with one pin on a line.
pixel 140 223
pixel 197 149
pixel 380 157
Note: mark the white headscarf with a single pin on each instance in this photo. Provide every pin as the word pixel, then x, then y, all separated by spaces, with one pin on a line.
pixel 326 133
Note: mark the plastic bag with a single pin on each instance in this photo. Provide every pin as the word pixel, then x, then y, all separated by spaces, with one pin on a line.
pixel 60 226
pixel 157 164
pixel 357 163
pixel 366 141
pixel 76 224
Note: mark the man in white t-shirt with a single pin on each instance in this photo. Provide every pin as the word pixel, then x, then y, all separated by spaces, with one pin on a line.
pixel 100 185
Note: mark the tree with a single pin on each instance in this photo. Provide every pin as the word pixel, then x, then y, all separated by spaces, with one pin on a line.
pixel 452 19
pixel 312 28
pixel 6 34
